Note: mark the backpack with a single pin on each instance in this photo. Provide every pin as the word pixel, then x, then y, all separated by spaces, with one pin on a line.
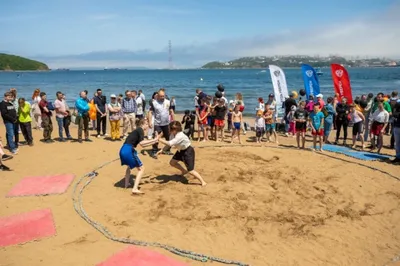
pixel 50 106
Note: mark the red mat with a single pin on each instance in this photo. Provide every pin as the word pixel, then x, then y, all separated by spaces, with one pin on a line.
pixel 41 185
pixel 140 257
pixel 26 227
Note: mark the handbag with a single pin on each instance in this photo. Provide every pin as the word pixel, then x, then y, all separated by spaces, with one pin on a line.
pixel 75 118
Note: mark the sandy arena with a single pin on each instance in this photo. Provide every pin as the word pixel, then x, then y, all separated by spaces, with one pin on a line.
pixel 262 206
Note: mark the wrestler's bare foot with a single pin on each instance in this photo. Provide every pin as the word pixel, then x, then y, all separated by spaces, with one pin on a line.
pixel 137 192
pixel 203 184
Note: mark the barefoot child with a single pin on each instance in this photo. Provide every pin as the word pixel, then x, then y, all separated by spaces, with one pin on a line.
pixel 236 123
pixel 301 116
pixel 317 125
pixel 202 113
pixel 129 156
pixel 358 123
pixel 185 151
pixel 259 125
pixel 270 123
pixel 220 113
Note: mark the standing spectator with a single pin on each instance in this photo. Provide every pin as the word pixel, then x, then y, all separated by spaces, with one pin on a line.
pixel 3 157
pixel 100 102
pixel 328 121
pixel 47 124
pixel 396 130
pixel 10 118
pixel 141 95
pixel 320 100
pixel 93 117
pixel 129 109
pixel 82 107
pixel 173 103
pixel 25 119
pixel 161 112
pixel 36 114
pixel 393 101
pixel 150 116
pixel 342 119
pixel 379 122
pixel 289 102
pixel 15 103
pixel 367 113
pixel 114 109
pixel 61 113
pixel 67 119
pixel 140 103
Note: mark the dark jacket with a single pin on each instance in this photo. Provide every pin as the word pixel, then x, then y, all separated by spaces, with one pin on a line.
pixel 8 112
pixel 396 115
pixel 341 111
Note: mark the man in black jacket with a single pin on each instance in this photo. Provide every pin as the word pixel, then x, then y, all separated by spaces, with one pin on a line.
pixel 396 130
pixel 10 118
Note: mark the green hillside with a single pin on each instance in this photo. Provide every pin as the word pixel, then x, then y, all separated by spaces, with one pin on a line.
pixel 12 62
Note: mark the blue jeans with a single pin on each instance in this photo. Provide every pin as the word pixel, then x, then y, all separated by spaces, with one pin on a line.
pixel 10 133
pixel 60 123
pixel 327 127
pixel 396 133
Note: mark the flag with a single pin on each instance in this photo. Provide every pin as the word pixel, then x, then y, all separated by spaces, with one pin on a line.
pixel 310 79
pixel 341 82
pixel 280 86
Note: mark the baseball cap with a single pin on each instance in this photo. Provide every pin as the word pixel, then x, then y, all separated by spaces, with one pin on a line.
pixel 271 95
pixel 113 96
pixel 320 96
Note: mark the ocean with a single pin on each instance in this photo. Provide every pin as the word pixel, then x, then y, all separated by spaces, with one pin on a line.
pixel 181 84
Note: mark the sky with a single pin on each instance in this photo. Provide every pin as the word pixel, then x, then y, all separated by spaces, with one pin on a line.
pixel 133 33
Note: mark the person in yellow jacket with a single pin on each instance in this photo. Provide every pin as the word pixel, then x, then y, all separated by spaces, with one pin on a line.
pixel 25 119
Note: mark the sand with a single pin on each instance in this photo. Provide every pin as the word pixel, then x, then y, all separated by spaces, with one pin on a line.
pixel 262 206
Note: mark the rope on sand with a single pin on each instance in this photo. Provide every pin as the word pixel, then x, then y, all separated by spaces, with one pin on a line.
pixel 89 177
pixel 77 201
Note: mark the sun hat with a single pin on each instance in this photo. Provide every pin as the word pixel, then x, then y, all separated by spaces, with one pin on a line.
pixel 113 96
pixel 320 96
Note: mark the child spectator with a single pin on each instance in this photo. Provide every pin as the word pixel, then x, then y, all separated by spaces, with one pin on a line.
pixel 269 123
pixel 220 112
pixel 357 118
pixel 300 117
pixel 317 126
pixel 237 119
pixel 229 120
pixel 259 125
pixel 291 120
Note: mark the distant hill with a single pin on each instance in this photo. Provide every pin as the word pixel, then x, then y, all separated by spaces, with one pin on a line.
pixel 297 60
pixel 14 63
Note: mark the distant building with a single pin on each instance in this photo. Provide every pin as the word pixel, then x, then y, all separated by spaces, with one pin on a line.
pixel 393 63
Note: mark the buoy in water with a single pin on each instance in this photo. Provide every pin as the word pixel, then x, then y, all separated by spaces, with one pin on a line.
pixel 201 79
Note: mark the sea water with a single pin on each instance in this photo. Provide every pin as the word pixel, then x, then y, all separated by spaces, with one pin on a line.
pixel 181 84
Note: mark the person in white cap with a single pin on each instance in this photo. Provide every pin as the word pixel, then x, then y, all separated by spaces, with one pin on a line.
pixel 114 108
pixel 320 100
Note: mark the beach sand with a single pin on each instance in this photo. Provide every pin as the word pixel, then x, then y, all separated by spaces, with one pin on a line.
pixel 262 205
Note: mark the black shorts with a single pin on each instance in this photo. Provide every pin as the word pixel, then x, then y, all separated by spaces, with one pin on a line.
pixel 357 128
pixel 259 132
pixel 301 126
pixel 187 157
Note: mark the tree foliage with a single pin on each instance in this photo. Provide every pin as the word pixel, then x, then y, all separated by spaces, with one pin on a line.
pixel 13 62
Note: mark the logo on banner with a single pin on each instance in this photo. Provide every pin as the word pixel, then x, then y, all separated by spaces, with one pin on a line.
pixel 277 73
pixel 339 73
pixel 309 73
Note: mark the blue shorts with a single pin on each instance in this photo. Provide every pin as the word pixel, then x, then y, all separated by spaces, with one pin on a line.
pixel 129 157
pixel 236 125
pixel 270 127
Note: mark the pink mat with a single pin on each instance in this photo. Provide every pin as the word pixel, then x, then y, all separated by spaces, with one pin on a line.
pixel 41 185
pixel 139 257
pixel 26 227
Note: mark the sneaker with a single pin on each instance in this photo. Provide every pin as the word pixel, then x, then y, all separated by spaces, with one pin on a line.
pixel 4 168
pixel 88 140
pixel 62 140
pixel 98 136
pixel 6 157
pixel 30 144
pixel 69 138
pixel 80 140
pixel 48 141
pixel 14 152
pixel 105 135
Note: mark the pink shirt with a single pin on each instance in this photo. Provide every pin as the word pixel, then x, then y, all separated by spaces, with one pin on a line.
pixel 61 108
pixel 321 103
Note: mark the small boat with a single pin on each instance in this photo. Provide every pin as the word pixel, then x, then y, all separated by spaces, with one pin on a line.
pixel 319 71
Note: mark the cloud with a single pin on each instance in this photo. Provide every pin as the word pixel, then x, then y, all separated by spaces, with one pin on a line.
pixel 369 36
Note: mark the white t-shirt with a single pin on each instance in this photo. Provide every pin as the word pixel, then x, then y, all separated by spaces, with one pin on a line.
pixel 260 122
pixel 36 100
pixel 180 141
pixel 60 105
pixel 161 112
pixel 380 116
pixel 139 104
